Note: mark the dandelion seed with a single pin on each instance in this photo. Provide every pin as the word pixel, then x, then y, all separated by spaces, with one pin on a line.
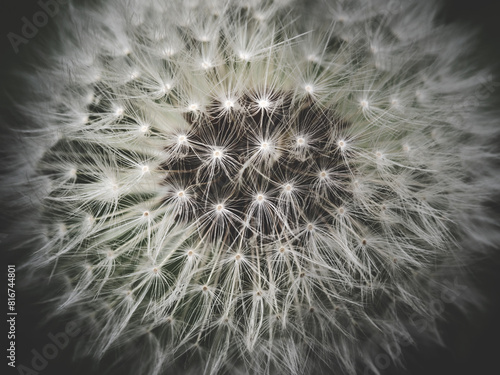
pixel 245 56
pixel 265 146
pixel 263 103
pixel 72 173
pixel 206 64
pixel 168 52
pixel 301 142
pixel 218 154
pixel 134 75
pixel 118 112
pixel 313 58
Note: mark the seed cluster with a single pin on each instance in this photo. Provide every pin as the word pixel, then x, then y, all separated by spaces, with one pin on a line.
pixel 266 186
pixel 266 173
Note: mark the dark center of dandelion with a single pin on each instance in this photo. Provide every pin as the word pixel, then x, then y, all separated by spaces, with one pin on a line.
pixel 262 171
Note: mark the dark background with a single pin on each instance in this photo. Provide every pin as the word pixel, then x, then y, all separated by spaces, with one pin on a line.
pixel 473 342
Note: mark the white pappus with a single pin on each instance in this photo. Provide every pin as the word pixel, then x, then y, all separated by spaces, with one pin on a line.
pixel 254 187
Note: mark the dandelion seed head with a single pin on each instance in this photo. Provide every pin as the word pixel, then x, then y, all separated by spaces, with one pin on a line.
pixel 251 186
